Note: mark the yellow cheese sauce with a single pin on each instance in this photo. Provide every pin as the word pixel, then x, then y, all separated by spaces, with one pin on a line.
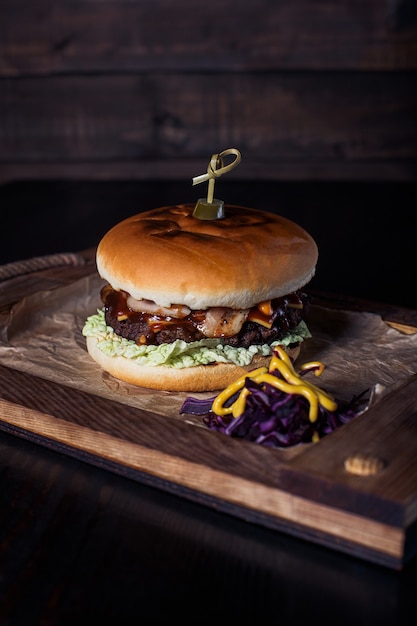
pixel 289 382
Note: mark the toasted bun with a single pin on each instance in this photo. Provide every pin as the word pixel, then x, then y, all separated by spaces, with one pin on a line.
pixel 169 256
pixel 199 378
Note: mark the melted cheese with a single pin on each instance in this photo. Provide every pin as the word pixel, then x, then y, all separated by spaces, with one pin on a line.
pixel 266 307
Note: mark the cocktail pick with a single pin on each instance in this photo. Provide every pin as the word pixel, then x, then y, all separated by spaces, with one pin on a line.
pixel 211 208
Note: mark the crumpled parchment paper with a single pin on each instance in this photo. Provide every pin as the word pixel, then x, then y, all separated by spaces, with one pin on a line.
pixel 42 336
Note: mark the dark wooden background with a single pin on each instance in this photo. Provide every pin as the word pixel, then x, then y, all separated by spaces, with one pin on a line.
pixel 108 107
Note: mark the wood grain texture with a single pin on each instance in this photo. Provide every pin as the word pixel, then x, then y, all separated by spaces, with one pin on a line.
pixel 106 36
pixel 81 542
pixel 149 91
pixel 307 493
pixel 283 124
pixel 226 470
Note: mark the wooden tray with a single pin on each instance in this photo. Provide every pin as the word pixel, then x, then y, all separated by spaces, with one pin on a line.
pixel 310 495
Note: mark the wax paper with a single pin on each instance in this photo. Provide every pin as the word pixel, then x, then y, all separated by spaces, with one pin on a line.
pixel 42 335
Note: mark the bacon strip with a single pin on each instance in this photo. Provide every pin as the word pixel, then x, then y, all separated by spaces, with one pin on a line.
pixel 223 322
pixel 148 306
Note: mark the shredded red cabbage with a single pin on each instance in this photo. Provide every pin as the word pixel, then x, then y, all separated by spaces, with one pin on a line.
pixel 274 418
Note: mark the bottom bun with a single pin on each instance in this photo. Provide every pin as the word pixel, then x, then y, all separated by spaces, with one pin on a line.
pixel 213 377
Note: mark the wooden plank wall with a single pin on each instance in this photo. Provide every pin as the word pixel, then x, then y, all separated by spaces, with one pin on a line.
pixel 149 89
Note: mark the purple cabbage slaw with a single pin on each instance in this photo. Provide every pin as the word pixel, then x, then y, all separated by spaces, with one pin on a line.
pixel 274 418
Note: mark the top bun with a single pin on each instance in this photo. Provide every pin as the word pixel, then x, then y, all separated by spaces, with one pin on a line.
pixel 169 256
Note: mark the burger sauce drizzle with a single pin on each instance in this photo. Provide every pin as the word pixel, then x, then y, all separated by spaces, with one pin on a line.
pixel 188 327
pixel 117 301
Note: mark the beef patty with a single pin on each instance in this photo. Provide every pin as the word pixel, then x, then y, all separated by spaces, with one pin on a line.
pixel 143 328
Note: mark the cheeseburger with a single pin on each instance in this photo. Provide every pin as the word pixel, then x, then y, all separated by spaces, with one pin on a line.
pixel 191 304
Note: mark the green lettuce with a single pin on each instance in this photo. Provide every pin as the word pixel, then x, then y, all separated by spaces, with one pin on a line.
pixel 180 354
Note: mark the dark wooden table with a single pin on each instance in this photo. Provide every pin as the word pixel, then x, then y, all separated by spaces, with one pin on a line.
pixel 81 543
pixel 78 542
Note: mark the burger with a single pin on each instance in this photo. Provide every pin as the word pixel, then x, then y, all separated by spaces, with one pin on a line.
pixel 190 304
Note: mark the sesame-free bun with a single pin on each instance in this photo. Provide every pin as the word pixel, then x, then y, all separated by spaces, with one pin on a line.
pixel 199 378
pixel 169 256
